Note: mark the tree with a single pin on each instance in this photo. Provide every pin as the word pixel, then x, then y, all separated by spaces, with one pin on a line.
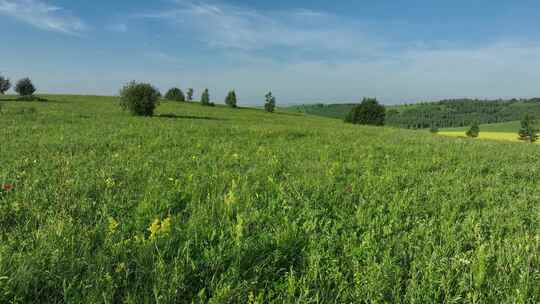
pixel 190 94
pixel 473 131
pixel 270 104
pixel 25 87
pixel 5 85
pixel 175 94
pixel 230 100
pixel 528 131
pixel 139 99
pixel 205 98
pixel 368 112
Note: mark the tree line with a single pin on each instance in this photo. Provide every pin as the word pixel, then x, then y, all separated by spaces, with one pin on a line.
pixel 453 113
pixel 142 98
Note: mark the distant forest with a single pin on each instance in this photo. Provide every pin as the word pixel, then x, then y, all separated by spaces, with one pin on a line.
pixel 442 114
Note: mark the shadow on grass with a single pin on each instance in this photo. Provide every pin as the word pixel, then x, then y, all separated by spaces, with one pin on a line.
pixel 174 116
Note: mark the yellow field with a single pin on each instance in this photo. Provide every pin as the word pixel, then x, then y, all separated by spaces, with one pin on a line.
pixel 507 136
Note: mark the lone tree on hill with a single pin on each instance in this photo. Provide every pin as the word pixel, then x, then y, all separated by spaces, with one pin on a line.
pixel 5 85
pixel 368 112
pixel 205 98
pixel 25 87
pixel 528 130
pixel 473 131
pixel 139 99
pixel 175 94
pixel 270 104
pixel 230 100
pixel 189 94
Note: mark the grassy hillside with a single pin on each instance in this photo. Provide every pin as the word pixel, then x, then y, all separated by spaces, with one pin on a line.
pixel 240 206
pixel 452 113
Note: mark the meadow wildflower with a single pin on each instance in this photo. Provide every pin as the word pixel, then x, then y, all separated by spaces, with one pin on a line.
pixel 8 187
pixel 113 225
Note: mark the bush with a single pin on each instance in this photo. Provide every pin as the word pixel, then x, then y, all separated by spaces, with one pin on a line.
pixel 25 87
pixel 434 129
pixel 270 103
pixel 175 94
pixel 369 112
pixel 474 131
pixel 5 85
pixel 230 100
pixel 139 99
pixel 528 131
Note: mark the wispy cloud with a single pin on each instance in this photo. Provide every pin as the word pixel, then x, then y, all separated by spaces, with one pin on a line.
pixel 241 28
pixel 43 15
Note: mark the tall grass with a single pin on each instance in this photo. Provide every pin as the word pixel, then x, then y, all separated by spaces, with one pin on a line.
pixel 220 205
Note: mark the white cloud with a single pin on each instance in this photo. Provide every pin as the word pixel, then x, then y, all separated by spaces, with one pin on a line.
pixel 240 28
pixel 42 15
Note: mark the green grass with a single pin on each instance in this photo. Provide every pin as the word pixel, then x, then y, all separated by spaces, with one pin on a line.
pixel 241 206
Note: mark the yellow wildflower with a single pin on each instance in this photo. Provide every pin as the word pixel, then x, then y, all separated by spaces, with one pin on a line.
pixel 154 228
pixel 113 224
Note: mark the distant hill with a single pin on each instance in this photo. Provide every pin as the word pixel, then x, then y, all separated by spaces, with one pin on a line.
pixel 449 113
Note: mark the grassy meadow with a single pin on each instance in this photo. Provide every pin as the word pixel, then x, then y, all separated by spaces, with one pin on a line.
pixel 220 205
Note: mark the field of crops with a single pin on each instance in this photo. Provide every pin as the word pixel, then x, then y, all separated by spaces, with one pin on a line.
pixel 219 205
pixel 507 131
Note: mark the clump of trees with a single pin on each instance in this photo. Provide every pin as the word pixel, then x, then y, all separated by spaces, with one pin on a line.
pixel 230 100
pixel 205 99
pixel 270 103
pixel 25 87
pixel 5 85
pixel 529 130
pixel 368 112
pixel 474 130
pixel 189 95
pixel 175 94
pixel 139 99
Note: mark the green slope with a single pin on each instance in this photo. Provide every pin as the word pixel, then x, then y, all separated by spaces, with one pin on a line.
pixel 219 205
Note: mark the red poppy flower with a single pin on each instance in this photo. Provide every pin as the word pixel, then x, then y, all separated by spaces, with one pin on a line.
pixel 8 187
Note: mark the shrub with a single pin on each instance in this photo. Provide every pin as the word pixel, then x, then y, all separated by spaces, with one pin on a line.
pixel 270 103
pixel 189 94
pixel 528 130
pixel 139 98
pixel 25 87
pixel 230 100
pixel 434 129
pixel 368 112
pixel 474 130
pixel 205 98
pixel 175 94
pixel 5 85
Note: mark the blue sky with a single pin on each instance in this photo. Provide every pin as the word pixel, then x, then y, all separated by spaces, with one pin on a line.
pixel 304 51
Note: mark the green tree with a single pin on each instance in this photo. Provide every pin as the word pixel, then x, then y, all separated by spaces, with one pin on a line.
pixel 529 130
pixel 25 87
pixel 368 112
pixel 270 103
pixel 205 98
pixel 230 100
pixel 474 130
pixel 175 94
pixel 5 85
pixel 189 94
pixel 139 99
